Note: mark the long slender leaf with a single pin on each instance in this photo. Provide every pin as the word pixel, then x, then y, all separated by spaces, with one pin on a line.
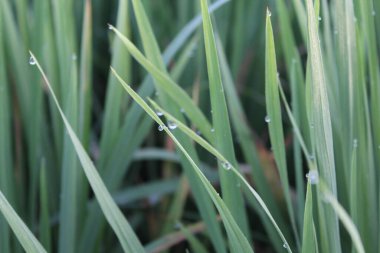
pixel 120 225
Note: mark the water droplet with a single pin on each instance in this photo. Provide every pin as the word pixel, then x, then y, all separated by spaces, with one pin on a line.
pixel 267 119
pixel 74 57
pixel 212 130
pixel 177 225
pixel 319 18
pixel 161 127
pixel 355 143
pixel 110 26
pixel 32 61
pixel 312 157
pixel 313 177
pixel 336 32
pixel 159 113
pixel 172 125
pixel 226 165
pixel 269 13
pixel 373 13
pixel 311 125
pixel 182 110
pixel 285 245
pixel 198 132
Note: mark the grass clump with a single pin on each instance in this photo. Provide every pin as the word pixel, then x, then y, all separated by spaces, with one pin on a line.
pixel 248 98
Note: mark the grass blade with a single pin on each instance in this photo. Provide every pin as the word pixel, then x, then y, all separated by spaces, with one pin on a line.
pixel 204 204
pixel 345 219
pixel 274 119
pixel 238 240
pixel 221 124
pixel 221 158
pixel 23 234
pixel 322 131
pixel 119 224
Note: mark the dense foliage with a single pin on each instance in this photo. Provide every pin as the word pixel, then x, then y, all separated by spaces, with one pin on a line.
pixel 200 126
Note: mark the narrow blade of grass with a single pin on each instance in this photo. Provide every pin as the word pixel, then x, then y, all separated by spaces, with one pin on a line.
pixel 345 218
pixel 153 54
pixel 220 157
pixel 246 140
pixel 274 120
pixel 221 124
pixel 239 242
pixel 322 131
pixel 115 217
pixel 308 237
pixel 168 85
pixel 6 163
pixel 23 234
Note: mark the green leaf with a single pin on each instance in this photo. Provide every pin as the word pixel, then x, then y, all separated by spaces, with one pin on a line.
pixel 274 119
pixel 114 216
pixel 221 124
pixel 228 165
pixel 238 240
pixel 23 234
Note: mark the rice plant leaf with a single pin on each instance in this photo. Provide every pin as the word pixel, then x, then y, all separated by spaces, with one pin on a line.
pixel 45 233
pixel 168 85
pixel 274 119
pixel 195 244
pixel 221 124
pixel 308 242
pixel 239 242
pixel 205 206
pixel 206 145
pixel 23 234
pixel 344 218
pixel 322 131
pixel 114 216
pixel 114 94
pixel 6 163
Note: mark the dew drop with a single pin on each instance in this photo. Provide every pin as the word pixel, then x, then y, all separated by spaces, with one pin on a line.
pixel 109 26
pixel 319 18
pixel 32 61
pixel 161 127
pixel 312 157
pixel 336 32
pixel 159 113
pixel 373 13
pixel 285 246
pixel 74 57
pixel 226 165
pixel 198 132
pixel 269 13
pixel 177 225
pixel 172 125
pixel 313 177
pixel 212 130
pixel 355 143
pixel 267 119
pixel 182 110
